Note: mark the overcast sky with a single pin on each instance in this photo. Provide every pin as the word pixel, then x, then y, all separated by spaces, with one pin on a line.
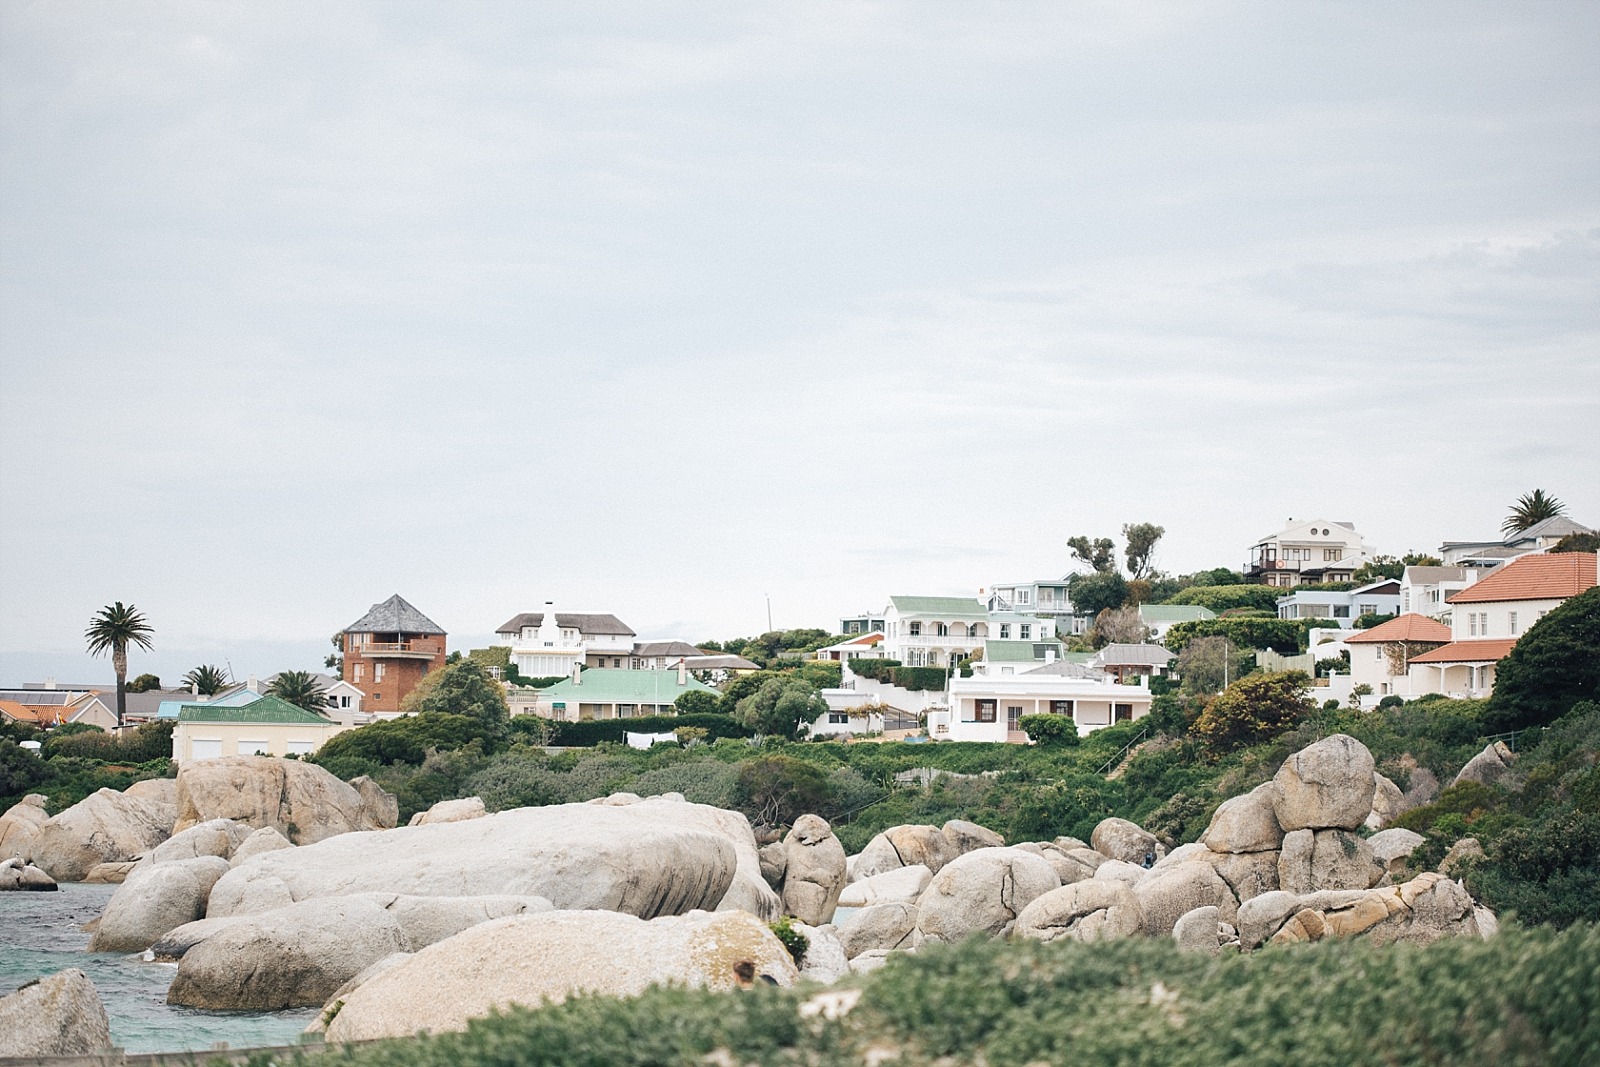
pixel 663 309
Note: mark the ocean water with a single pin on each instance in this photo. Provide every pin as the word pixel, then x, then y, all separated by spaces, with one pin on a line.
pixel 39 935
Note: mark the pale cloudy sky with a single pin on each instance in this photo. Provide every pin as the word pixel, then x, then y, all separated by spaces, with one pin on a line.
pixel 663 309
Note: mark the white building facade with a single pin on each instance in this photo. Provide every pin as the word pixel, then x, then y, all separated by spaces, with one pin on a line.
pixel 990 708
pixel 549 644
pixel 1308 551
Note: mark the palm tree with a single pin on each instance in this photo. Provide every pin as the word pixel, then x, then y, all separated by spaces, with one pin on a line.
pixel 301 689
pixel 1531 508
pixel 207 680
pixel 111 630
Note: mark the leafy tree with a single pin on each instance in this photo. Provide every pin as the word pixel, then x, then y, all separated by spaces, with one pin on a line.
pixel 404 740
pixel 1120 626
pixel 1254 709
pixel 1140 550
pixel 777 790
pixel 335 661
pixel 696 702
pixel 1220 598
pixel 1093 593
pixel 1099 554
pixel 113 629
pixel 144 683
pixel 1051 731
pixel 1531 508
pixel 1281 635
pixel 1209 664
pixel 207 679
pixel 1578 542
pixel 780 706
pixel 301 689
pixel 736 689
pixel 1371 619
pixel 462 688
pixel 1390 567
pixel 1553 666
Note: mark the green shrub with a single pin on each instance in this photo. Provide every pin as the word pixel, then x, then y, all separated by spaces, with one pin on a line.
pixel 1551 668
pixel 875 669
pixel 1281 635
pixel 1050 730
pixel 406 739
pixel 1545 873
pixel 796 942
pixel 594 731
pixel 1220 598
pixel 1252 710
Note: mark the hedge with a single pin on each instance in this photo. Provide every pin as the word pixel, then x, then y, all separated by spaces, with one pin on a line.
pixel 593 731
pixel 1220 598
pixel 876 669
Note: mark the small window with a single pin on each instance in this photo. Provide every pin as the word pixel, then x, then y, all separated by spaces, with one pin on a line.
pixel 1026 632
pixel 1005 630
pixel 838 718
pixel 377 672
pixel 627 711
pixel 1061 707
pixel 1513 624
pixel 1124 712
pixel 1342 611
pixel 984 711
pixel 916 629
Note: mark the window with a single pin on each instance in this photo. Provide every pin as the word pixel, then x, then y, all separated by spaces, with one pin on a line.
pixel 361 669
pixel 1366 609
pixel 1124 712
pixel 837 718
pixel 377 672
pixel 916 629
pixel 300 748
pixel 983 711
pixel 941 630
pixel 1022 596
pixel 254 747
pixel 1026 632
pixel 1061 707
pixel 627 711
pixel 1013 717
pixel 616 661
pixel 1341 611
pixel 1005 630
pixel 1513 624
pixel 1472 624
pixel 1332 554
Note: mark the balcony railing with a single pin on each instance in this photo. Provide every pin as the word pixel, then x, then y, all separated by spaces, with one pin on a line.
pixel 394 650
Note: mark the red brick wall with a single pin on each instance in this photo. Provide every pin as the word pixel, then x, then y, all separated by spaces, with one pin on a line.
pixel 400 676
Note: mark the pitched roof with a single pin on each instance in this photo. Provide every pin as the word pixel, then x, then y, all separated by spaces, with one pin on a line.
pixel 1554 526
pixel 620 686
pixel 1065 668
pixel 1129 655
pixel 1547 576
pixel 665 648
pixel 1017 651
pixel 1174 613
pixel 1408 627
pixel 584 623
pixel 24 713
pixel 725 661
pixel 1430 575
pixel 394 616
pixel 265 710
pixel 938 605
pixel 1487 650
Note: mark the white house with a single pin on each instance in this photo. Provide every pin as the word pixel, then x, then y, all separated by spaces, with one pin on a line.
pixel 1343 607
pixel 1489 616
pixel 867 646
pixel 1427 590
pixel 1046 599
pixel 1159 618
pixel 1540 537
pixel 933 631
pixel 987 707
pixel 1308 551
pixel 548 643
pixel 1379 657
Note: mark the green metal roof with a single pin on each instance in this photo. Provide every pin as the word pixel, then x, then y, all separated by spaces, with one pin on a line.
pixel 1174 612
pixel 1077 657
pixel 621 686
pixel 1017 651
pixel 265 710
pixel 938 605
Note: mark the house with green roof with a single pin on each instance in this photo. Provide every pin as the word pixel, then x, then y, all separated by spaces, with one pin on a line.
pixel 613 693
pixel 265 727
pixel 1159 618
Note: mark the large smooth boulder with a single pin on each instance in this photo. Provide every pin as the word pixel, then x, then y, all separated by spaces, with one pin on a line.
pixel 903 885
pixel 962 837
pixel 1068 868
pixel 104 827
pixel 1129 874
pixel 1090 910
pixel 451 811
pixel 880 926
pixel 1392 848
pixel 216 837
pixel 814 871
pixel 59 1015
pixel 749 890
pixel 824 959
pixel 647 859
pixel 1343 860
pixel 983 891
pixel 1488 766
pixel 1326 785
pixel 156 898
pixel 172 945
pixel 1246 823
pixel 1167 895
pixel 300 800
pixel 1204 930
pixel 25 877
pixel 903 846
pixel 110 873
pixel 1120 839
pixel 290 958
pixel 20 825
pixel 1388 803
pixel 487 968
pixel 1248 874
pixel 266 839
pixel 380 808
pixel 1464 850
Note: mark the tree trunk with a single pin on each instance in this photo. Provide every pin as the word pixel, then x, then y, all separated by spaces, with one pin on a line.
pixel 119 663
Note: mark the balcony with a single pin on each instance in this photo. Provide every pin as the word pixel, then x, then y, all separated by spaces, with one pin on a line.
pixel 394 650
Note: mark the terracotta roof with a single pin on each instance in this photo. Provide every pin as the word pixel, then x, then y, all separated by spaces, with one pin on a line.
pixel 23 713
pixel 1488 650
pixel 1547 576
pixel 1408 627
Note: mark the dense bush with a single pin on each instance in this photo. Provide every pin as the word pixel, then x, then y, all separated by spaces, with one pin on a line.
pixel 1280 635
pixel 1220 598
pixel 876 669
pixel 1252 710
pixel 1521 999
pixel 406 739
pixel 1553 666
pixel 595 731
pixel 148 741
pixel 1050 730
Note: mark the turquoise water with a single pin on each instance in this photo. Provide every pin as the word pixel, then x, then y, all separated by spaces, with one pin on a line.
pixel 39 935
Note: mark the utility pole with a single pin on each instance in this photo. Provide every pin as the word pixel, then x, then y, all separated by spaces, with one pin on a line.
pixel 769 612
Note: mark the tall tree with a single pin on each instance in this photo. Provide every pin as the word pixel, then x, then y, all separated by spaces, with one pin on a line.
pixel 301 689
pixel 1093 593
pixel 113 629
pixel 1141 547
pixel 207 679
pixel 1531 508
pixel 1099 554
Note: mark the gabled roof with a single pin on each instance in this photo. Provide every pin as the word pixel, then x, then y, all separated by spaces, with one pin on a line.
pixel 1546 576
pixel 265 710
pixel 1017 651
pixel 16 712
pixel 938 605
pixel 1555 526
pixel 1064 668
pixel 582 622
pixel 1408 627
pixel 394 616
pixel 720 661
pixel 620 686
pixel 1174 613
pixel 1130 655
pixel 1433 575
pixel 1377 588
pixel 665 648
pixel 1489 650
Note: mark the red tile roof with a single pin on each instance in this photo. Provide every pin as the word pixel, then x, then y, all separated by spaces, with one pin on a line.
pixel 1490 650
pixel 1547 576
pixel 37 713
pixel 1408 627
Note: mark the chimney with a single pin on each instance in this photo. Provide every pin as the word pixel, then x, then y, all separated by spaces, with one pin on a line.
pixel 577 672
pixel 683 672
pixel 49 683
pixel 1049 655
pixel 254 684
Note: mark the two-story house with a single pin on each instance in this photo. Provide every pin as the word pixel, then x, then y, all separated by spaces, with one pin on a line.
pixel 865 623
pixel 1045 599
pixel 1540 537
pixel 1343 606
pixel 1307 552
pixel 1380 658
pixel 1427 590
pixel 933 631
pixel 1489 616
pixel 388 651
pixel 548 643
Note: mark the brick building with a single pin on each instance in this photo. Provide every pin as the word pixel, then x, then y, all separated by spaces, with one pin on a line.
pixel 388 651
